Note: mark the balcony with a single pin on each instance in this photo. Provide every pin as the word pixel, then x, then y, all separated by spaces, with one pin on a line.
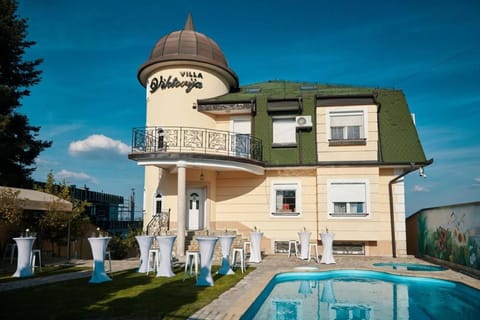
pixel 214 143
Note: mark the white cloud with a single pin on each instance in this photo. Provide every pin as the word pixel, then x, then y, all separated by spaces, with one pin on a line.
pixel 53 131
pixel 77 176
pixel 418 188
pixel 98 146
pixel 43 162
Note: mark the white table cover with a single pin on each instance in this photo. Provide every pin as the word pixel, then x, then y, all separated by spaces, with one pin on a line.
pixel 99 248
pixel 327 242
pixel 226 244
pixel 304 241
pixel 256 250
pixel 207 247
pixel 24 258
pixel 165 244
pixel 144 243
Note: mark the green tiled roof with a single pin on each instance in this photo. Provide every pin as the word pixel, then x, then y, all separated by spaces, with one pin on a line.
pixel 399 141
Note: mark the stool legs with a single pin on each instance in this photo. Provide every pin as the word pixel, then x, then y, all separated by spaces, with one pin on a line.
pixel 153 265
pixel 293 243
pixel 191 258
pixel 11 247
pixel 107 255
pixel 36 252
pixel 313 246
pixel 245 245
pixel 242 259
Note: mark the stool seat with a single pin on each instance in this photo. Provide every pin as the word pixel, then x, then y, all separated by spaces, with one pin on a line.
pixel 153 254
pixel 313 246
pixel 35 253
pixel 294 244
pixel 191 258
pixel 241 253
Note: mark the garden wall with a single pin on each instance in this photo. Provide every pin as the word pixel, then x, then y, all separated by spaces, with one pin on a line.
pixel 448 233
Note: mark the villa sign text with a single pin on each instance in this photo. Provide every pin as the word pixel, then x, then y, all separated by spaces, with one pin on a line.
pixel 187 79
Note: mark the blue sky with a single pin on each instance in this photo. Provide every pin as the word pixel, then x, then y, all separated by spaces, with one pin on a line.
pixel 89 98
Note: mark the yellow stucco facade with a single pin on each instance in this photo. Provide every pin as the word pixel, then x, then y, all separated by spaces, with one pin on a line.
pixel 337 180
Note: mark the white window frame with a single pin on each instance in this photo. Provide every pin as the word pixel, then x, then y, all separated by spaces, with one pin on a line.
pixel 286 185
pixel 348 215
pixel 291 136
pixel 347 111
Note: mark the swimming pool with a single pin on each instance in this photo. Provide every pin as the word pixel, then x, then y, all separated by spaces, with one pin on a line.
pixel 410 266
pixel 358 294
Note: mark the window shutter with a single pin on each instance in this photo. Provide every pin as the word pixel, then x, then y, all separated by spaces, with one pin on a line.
pixel 284 130
pixel 348 192
pixel 346 120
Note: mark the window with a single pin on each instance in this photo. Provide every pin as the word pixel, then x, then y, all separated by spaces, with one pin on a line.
pixel 347 126
pixel 347 199
pixel 160 139
pixel 284 131
pixel 285 199
pixel 158 203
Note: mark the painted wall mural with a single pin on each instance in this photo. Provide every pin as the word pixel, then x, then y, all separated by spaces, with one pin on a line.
pixel 451 233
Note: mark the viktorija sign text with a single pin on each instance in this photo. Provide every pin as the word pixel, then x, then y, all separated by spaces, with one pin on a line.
pixel 187 79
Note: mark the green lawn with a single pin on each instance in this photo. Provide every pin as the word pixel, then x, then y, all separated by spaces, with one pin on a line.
pixel 50 270
pixel 130 295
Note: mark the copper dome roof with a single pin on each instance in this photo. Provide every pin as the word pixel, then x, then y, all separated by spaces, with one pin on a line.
pixel 187 45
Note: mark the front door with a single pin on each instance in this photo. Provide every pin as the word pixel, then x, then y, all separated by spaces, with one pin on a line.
pixel 195 207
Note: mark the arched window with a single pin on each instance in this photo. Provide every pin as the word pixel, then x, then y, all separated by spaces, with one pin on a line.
pixel 160 139
pixel 158 203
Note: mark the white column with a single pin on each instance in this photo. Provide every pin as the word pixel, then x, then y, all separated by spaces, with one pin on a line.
pixel 181 208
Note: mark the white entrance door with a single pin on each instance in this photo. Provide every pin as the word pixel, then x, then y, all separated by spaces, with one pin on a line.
pixel 241 141
pixel 195 207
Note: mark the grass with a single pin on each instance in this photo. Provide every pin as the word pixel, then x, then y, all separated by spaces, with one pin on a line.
pixel 50 270
pixel 130 295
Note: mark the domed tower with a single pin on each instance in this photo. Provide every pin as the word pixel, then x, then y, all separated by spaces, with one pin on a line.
pixel 184 66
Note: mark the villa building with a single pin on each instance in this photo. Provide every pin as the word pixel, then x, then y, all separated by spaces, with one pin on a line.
pixel 276 156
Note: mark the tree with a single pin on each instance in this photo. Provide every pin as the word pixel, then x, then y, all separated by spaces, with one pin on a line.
pixel 10 206
pixel 19 143
pixel 56 224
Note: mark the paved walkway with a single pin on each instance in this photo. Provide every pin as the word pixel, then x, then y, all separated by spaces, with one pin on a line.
pixel 233 303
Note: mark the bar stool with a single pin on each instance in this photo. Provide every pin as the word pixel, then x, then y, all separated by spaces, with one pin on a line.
pixel 293 243
pixel 240 252
pixel 36 252
pixel 10 247
pixel 107 255
pixel 191 258
pixel 154 255
pixel 313 246
pixel 245 245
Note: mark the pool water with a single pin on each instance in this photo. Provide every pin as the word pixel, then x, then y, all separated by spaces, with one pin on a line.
pixel 410 266
pixel 355 294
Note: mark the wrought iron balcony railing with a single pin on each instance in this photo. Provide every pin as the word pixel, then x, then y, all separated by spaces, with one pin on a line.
pixel 196 140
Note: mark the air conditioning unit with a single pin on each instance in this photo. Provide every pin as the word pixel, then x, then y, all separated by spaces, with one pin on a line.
pixel 303 121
